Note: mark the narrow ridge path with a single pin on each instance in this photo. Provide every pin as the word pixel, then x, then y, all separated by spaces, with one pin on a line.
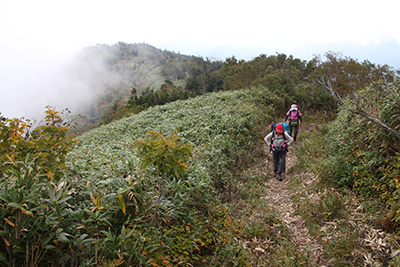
pixel 280 200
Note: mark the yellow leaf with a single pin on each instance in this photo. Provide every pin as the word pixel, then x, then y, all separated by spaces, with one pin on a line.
pixel 121 203
pixel 29 213
pixel 50 174
pixel 184 164
pixel 10 223
pixel 93 199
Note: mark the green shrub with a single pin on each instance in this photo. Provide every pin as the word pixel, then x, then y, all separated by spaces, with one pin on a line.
pixel 363 155
pixel 99 210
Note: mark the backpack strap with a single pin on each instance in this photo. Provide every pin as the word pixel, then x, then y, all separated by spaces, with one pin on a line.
pixel 273 136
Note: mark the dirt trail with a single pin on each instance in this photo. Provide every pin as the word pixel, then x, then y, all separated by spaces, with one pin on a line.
pixel 280 198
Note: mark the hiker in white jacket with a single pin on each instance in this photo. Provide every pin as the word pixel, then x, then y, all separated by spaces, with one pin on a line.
pixel 278 140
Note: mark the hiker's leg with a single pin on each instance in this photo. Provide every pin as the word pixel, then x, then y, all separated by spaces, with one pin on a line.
pixel 276 160
pixel 290 129
pixel 281 165
pixel 295 131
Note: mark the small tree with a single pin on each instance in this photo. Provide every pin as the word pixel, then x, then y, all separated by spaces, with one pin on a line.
pixel 360 87
pixel 48 144
pixel 31 206
pixel 342 75
pixel 167 155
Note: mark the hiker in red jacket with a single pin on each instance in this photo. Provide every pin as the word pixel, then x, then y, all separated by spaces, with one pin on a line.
pixel 278 141
pixel 295 120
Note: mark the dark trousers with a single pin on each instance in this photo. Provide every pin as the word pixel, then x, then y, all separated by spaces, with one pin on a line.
pixel 279 161
pixel 294 130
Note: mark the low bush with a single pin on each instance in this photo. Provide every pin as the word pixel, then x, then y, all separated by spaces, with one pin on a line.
pixel 104 210
pixel 364 155
pixel 353 200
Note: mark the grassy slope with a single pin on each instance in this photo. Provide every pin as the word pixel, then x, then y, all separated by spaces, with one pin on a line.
pixel 224 129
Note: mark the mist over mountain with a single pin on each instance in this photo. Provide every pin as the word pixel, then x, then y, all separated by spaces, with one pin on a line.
pixel 97 77
pixel 88 79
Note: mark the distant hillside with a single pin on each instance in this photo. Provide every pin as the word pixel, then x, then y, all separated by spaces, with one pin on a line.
pixel 128 65
pixel 125 79
pixel 111 71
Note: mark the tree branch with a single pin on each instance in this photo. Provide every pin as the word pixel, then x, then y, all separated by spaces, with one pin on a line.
pixel 373 119
pixel 359 110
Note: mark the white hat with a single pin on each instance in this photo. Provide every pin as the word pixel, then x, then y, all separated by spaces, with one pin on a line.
pixel 293 107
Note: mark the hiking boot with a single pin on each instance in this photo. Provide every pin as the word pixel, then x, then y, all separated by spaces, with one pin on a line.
pixel 279 177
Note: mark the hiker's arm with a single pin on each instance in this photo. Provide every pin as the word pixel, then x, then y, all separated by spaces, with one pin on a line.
pixel 288 137
pixel 267 139
pixel 300 117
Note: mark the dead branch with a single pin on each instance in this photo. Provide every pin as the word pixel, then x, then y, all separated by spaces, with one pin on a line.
pixel 359 109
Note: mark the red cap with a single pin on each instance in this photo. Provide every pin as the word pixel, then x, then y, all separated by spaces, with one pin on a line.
pixel 279 128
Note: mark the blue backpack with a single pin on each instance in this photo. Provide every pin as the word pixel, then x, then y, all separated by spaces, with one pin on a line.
pixel 286 127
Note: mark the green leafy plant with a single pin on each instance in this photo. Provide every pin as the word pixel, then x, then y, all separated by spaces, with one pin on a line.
pixel 32 210
pixel 127 195
pixel 167 155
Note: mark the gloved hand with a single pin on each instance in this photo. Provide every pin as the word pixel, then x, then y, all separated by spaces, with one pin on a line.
pixel 271 146
pixel 284 145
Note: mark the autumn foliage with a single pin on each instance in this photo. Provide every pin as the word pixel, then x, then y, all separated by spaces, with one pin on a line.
pixel 46 145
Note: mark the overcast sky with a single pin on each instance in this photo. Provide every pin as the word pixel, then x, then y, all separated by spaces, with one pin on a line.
pixel 37 36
